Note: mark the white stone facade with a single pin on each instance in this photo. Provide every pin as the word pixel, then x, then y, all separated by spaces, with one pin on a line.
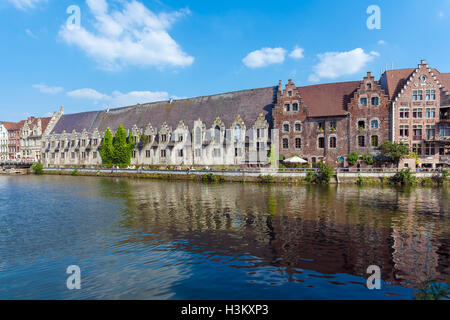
pixel 4 154
pixel 168 146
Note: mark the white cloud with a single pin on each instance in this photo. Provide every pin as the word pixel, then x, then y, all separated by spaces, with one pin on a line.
pixel 87 93
pixel 134 36
pixel 264 57
pixel 26 4
pixel 382 42
pixel 336 64
pixel 297 53
pixel 30 34
pixel 48 90
pixel 119 99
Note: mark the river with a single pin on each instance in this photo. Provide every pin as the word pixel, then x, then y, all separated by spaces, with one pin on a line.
pixel 144 239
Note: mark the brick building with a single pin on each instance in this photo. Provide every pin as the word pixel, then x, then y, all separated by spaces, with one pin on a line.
pixel 14 139
pixel 322 122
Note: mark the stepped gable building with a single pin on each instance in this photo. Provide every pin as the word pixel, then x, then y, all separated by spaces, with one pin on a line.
pixel 32 132
pixel 224 129
pixel 322 122
pixel 420 112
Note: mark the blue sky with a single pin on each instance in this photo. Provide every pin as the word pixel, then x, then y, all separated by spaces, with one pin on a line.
pixel 129 51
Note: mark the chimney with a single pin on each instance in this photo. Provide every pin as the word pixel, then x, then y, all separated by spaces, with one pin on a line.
pixel 423 61
pixel 280 85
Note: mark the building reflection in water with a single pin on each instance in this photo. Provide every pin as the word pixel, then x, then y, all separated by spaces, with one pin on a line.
pixel 329 229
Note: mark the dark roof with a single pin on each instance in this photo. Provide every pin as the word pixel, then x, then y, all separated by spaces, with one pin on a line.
pixel 76 121
pixel 247 103
pixel 328 99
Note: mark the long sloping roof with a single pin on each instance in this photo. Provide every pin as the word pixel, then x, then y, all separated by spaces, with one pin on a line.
pixel 12 126
pixel 393 81
pixel 247 103
pixel 328 99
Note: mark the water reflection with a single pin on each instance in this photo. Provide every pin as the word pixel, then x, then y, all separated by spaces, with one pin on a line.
pixel 330 230
pixel 138 239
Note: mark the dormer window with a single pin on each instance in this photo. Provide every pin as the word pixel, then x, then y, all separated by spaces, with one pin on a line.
pixel 163 138
pixel 369 86
pixel 290 93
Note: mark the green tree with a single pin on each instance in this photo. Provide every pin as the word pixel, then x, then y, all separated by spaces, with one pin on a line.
pixel 121 157
pixel 352 158
pixel 107 150
pixel 395 151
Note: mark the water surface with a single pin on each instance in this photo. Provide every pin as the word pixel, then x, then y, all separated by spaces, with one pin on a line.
pixel 142 239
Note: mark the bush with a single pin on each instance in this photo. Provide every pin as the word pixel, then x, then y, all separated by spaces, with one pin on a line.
pixel 75 172
pixel 265 179
pixel 360 180
pixel 325 173
pixel 210 178
pixel 353 158
pixel 404 177
pixel 322 176
pixel 368 159
pixel 37 168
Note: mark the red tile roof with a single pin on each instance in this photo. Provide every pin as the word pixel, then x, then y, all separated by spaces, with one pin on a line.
pixel 329 99
pixel 12 126
pixel 393 81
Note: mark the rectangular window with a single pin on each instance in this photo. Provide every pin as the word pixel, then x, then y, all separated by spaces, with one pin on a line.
pixel 417 148
pixel 361 141
pixel 375 101
pixel 95 142
pixel 429 149
pixel 73 155
pixel 404 131
pixel 404 113
pixel 295 107
pixel 363 101
pixel 417 95
pixel 431 132
pixel 83 143
pixel 198 152
pixel 163 138
pixel 321 143
pixel 180 153
pixel 94 155
pixel 163 153
pixel 298 143
pixel 417 113
pixel 417 132
pixel 83 155
pixel 332 142
pixel 180 138
pixel 133 154
pixel 285 143
pixel 147 153
pixel 430 95
pixel 237 152
pixel 374 141
pixel 430 113
pixel 216 152
pixel 63 155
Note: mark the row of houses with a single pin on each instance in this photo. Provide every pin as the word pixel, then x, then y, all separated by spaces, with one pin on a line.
pixel 322 122
pixel 22 141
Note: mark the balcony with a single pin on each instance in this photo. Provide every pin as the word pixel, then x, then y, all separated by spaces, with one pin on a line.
pixel 417 138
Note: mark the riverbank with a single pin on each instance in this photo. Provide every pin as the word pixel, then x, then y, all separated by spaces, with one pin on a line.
pixel 256 176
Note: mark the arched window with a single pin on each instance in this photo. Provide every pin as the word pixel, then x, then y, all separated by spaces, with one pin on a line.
pixel 237 132
pixel 374 124
pixel 217 134
pixel 198 135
